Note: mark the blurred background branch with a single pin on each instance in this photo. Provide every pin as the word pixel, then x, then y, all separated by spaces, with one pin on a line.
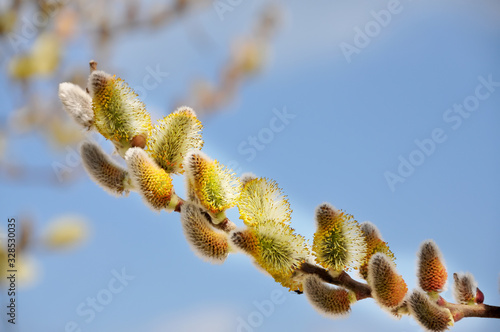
pixel 38 37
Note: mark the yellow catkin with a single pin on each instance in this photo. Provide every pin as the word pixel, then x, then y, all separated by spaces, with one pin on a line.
pixel 215 186
pixel 152 182
pixel 338 242
pixel 276 249
pixel 262 201
pixel 119 114
pixel 374 244
pixel 172 137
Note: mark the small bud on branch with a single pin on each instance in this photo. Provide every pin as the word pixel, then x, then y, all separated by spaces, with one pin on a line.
pixel 464 288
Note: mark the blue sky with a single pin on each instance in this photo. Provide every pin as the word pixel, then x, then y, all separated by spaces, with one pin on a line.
pixel 350 124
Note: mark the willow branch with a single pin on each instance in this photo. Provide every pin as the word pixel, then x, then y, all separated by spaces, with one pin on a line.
pixel 361 290
pixel 460 311
pixel 226 225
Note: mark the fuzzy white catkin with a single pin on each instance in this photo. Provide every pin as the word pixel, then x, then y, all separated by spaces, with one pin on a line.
pixel 369 229
pixel 77 103
pixel 109 175
pixel 464 287
pixel 431 316
pixel 328 300
pixel 208 243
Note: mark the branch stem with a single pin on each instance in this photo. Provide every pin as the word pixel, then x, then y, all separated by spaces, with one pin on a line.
pixel 361 290
pixel 460 311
